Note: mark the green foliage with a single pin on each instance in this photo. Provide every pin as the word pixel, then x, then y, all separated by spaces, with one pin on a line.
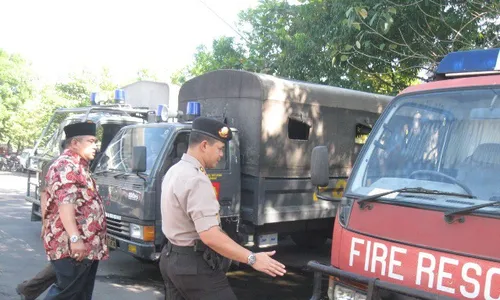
pixel 78 88
pixel 225 54
pixel 25 110
pixel 397 41
pixel 16 87
pixel 145 74
pixel 372 45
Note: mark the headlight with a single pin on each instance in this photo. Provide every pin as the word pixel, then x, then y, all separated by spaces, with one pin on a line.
pixel 345 293
pixel 136 231
pixel 145 233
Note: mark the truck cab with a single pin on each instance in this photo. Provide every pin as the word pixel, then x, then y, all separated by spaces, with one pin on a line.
pixel 132 199
pixel 420 214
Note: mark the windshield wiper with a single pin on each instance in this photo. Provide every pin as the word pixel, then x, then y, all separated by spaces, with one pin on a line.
pixel 143 175
pixel 418 190
pixel 121 175
pixel 448 216
pixel 109 171
pixel 101 172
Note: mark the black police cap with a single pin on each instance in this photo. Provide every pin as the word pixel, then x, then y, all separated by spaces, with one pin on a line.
pixel 76 129
pixel 212 128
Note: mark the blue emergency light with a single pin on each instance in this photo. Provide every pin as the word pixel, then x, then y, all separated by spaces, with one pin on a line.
pixel 162 112
pixel 119 96
pixel 93 97
pixel 193 109
pixel 160 109
pixel 474 62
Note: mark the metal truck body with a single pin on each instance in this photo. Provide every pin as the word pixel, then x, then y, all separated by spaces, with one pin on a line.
pixel 267 193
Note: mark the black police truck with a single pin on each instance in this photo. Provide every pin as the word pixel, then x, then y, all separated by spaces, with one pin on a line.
pixel 263 182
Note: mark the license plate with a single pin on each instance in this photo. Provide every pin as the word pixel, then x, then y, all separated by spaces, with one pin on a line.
pixel 268 240
pixel 111 242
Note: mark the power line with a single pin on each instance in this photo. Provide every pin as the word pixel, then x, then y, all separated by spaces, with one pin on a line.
pixel 222 19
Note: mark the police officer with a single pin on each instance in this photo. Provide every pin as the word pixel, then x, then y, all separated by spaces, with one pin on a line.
pixel 190 263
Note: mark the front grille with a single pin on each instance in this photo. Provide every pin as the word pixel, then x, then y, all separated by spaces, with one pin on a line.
pixel 118 228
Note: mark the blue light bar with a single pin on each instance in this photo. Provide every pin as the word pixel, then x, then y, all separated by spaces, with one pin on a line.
pixel 119 96
pixel 160 109
pixel 193 109
pixel 470 62
pixel 93 98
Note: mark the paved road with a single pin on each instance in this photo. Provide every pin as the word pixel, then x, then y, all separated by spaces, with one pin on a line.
pixel 122 277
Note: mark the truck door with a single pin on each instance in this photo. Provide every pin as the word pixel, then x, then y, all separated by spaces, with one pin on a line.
pixel 226 179
pixel 225 176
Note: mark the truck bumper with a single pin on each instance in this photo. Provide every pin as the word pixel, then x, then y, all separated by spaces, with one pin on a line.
pixel 141 250
pixel 374 285
pixel 32 200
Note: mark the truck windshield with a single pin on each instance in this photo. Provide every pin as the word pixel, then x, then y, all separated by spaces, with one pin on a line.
pixel 445 141
pixel 118 155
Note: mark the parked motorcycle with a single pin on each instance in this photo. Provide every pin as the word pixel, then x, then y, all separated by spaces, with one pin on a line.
pixel 13 163
pixel 3 163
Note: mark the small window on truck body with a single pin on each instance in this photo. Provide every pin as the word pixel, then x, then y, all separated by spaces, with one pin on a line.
pixel 298 130
pixel 362 132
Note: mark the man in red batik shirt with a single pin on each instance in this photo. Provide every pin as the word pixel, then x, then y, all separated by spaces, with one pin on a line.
pixel 75 225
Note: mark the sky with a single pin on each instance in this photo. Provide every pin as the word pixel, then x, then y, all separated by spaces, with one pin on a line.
pixel 63 36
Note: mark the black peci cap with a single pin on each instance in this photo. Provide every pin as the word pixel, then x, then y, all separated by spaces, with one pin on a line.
pixel 212 128
pixel 76 129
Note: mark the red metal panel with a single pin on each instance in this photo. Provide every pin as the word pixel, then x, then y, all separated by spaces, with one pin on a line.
pixel 433 271
pixel 455 83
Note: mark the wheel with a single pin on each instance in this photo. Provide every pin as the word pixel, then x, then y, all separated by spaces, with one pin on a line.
pixel 35 212
pixel 442 175
pixel 309 239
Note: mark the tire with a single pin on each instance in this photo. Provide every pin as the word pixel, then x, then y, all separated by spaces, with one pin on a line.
pixel 309 240
pixel 35 217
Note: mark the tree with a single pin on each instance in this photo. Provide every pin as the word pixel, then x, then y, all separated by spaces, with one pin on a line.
pixel 371 45
pixel 105 82
pixel 180 76
pixel 32 117
pixel 295 41
pixel 16 87
pixel 78 88
pixel 145 74
pixel 395 41
pixel 225 54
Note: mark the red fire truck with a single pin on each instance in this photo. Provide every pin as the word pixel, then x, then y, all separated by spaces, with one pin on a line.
pixel 420 216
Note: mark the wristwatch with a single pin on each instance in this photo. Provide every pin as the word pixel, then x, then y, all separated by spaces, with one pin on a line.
pixel 74 238
pixel 251 259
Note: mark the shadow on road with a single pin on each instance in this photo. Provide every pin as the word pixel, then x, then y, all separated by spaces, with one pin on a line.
pixel 123 277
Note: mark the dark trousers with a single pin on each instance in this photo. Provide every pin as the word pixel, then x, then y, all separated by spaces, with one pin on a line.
pixel 188 277
pixel 34 287
pixel 75 280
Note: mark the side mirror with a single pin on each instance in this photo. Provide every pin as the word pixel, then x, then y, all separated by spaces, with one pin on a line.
pixel 139 159
pixel 320 174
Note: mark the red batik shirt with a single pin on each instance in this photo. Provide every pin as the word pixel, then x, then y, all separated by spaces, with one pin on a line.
pixel 68 181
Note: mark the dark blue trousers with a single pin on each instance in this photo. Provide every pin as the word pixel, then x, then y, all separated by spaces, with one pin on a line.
pixel 75 279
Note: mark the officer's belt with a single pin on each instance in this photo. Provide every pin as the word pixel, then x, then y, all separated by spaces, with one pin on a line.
pixel 199 247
